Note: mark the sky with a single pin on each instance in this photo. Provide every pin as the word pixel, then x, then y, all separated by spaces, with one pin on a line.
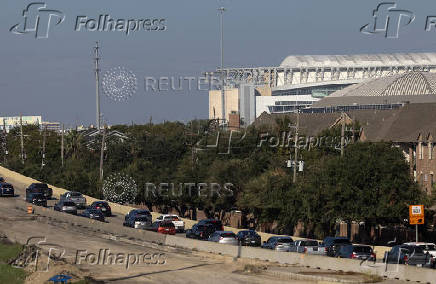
pixel 54 76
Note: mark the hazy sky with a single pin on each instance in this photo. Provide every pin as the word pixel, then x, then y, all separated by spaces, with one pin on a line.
pixel 54 77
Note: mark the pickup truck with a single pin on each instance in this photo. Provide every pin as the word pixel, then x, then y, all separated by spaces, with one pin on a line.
pixel 75 197
pixel 307 246
pixel 179 224
pixel 40 188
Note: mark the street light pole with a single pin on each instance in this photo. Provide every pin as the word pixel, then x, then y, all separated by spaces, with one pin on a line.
pixel 222 10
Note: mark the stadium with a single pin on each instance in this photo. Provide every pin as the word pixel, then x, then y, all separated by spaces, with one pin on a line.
pixel 324 83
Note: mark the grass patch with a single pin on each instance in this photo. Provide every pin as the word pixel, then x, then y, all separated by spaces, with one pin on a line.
pixel 11 275
pixel 9 251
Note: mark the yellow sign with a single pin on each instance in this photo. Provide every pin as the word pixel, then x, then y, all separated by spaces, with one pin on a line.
pixel 416 214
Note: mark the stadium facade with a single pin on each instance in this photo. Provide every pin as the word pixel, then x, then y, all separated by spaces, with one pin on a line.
pixel 307 81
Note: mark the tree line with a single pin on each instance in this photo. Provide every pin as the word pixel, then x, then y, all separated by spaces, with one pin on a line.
pixel 369 183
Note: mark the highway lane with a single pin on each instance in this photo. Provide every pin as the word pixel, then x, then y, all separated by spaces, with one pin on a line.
pixel 79 243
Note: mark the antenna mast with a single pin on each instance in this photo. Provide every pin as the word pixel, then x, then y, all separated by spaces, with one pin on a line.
pixel 97 85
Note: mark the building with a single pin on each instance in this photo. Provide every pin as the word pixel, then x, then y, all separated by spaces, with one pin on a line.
pixel 412 128
pixel 51 126
pixel 302 81
pixel 14 121
pixel 411 87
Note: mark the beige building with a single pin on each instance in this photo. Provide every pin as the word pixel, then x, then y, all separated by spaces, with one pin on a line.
pixel 231 103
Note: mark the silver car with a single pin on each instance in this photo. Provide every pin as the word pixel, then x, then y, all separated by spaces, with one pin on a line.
pixel 307 246
pixel 224 237
pixel 279 243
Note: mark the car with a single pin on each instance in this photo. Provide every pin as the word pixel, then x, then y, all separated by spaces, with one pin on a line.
pixel 215 222
pixel 6 189
pixel 103 206
pixel 429 248
pixel 278 243
pixel 75 197
pixel 249 238
pixel 200 232
pixel 307 246
pixel 178 223
pixel 331 245
pixel 36 198
pixel 137 222
pixel 66 206
pixel 224 237
pixel 40 188
pixel 163 227
pixel 405 254
pixel 94 214
pixel 360 252
pixel 138 215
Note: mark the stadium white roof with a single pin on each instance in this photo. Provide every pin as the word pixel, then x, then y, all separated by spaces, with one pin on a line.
pixel 360 60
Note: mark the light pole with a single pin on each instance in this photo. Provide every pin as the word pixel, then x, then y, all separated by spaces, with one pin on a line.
pixel 222 10
pixel 97 85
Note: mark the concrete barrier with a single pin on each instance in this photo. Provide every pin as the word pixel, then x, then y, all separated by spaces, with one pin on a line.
pixel 402 272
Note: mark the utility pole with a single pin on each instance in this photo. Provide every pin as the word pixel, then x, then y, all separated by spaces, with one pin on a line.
pixel 97 85
pixel 223 100
pixel 22 139
pixel 102 153
pixel 5 142
pixel 297 127
pixel 62 145
pixel 43 147
pixel 342 133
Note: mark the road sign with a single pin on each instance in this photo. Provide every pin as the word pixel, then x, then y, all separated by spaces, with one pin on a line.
pixel 416 214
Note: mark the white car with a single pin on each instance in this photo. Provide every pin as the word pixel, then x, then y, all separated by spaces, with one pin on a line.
pixel 178 223
pixel 429 248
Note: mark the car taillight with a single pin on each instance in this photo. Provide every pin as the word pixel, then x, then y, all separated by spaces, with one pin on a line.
pixel 305 249
pixel 98 207
pixel 201 234
pixel 406 259
pixel 373 255
pixel 353 255
pixel 222 228
pixel 325 249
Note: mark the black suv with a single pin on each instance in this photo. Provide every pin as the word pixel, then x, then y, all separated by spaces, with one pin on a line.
pixel 200 231
pixel 6 189
pixel 36 198
pixel 217 224
pixel 249 238
pixel 103 206
pixel 333 244
pixel 40 188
